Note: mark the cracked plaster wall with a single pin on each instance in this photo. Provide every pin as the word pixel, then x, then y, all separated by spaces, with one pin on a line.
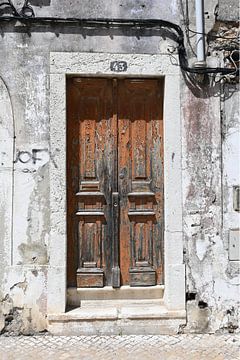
pixel 208 161
pixel 211 157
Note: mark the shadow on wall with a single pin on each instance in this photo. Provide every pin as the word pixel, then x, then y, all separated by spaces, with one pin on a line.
pixel 40 3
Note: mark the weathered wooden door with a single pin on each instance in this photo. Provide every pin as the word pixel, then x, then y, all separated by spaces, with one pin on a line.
pixel 114 182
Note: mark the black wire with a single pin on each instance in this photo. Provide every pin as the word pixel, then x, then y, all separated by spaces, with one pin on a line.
pixel 146 23
pixel 210 35
pixel 186 24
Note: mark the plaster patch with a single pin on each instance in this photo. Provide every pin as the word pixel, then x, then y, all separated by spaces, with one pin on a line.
pixel 201 248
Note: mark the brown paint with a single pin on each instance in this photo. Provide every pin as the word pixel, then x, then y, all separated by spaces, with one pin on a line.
pixel 115 181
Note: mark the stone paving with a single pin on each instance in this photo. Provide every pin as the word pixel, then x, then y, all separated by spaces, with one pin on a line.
pixel 162 347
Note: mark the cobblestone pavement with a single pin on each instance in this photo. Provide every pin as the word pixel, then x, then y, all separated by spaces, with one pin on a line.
pixel 187 347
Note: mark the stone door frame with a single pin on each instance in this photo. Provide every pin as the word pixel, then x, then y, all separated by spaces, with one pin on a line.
pixel 63 64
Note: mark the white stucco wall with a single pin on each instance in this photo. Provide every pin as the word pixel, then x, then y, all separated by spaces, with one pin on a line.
pixel 209 136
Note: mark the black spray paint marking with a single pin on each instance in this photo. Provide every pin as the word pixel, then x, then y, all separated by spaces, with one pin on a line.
pixel 34 156
pixel 24 157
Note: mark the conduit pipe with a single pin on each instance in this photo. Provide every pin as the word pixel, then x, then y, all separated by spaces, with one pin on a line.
pixel 199 8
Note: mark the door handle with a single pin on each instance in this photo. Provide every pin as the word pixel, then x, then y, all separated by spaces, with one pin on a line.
pixel 115 200
pixel 123 173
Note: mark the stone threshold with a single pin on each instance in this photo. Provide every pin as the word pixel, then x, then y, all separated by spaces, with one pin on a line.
pixel 75 296
pixel 111 311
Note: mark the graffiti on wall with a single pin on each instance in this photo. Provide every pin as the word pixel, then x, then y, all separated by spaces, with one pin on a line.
pixel 34 157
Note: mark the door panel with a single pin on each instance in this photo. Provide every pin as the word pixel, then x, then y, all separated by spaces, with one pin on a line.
pixel 92 149
pixel 115 182
pixel 140 181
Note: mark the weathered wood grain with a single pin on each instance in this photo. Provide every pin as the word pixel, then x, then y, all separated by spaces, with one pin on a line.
pixel 115 181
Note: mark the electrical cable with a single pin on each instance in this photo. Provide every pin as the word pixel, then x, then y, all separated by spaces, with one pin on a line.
pixel 212 36
pixel 107 23
pixel 186 25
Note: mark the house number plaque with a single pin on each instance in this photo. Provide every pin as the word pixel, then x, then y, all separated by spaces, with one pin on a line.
pixel 118 66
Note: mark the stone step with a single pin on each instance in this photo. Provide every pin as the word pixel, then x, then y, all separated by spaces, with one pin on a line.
pixel 124 317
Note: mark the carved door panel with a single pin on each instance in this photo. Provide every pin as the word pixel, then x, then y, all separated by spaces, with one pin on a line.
pixel 115 182
pixel 91 168
pixel 140 168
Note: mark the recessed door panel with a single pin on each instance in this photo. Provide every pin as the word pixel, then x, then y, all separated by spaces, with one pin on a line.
pixel 115 182
pixel 91 159
pixel 140 181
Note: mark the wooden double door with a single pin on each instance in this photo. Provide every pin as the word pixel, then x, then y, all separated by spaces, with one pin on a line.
pixel 114 181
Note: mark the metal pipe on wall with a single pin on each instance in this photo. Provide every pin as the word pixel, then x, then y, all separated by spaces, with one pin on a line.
pixel 201 58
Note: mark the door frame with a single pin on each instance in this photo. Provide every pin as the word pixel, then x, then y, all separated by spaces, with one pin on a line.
pixel 96 65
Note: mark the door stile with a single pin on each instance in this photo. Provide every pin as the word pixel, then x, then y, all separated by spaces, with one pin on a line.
pixel 115 195
pixel 124 175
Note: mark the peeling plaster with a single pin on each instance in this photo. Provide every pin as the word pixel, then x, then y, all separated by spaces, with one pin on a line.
pixel 23 308
pixel 206 254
